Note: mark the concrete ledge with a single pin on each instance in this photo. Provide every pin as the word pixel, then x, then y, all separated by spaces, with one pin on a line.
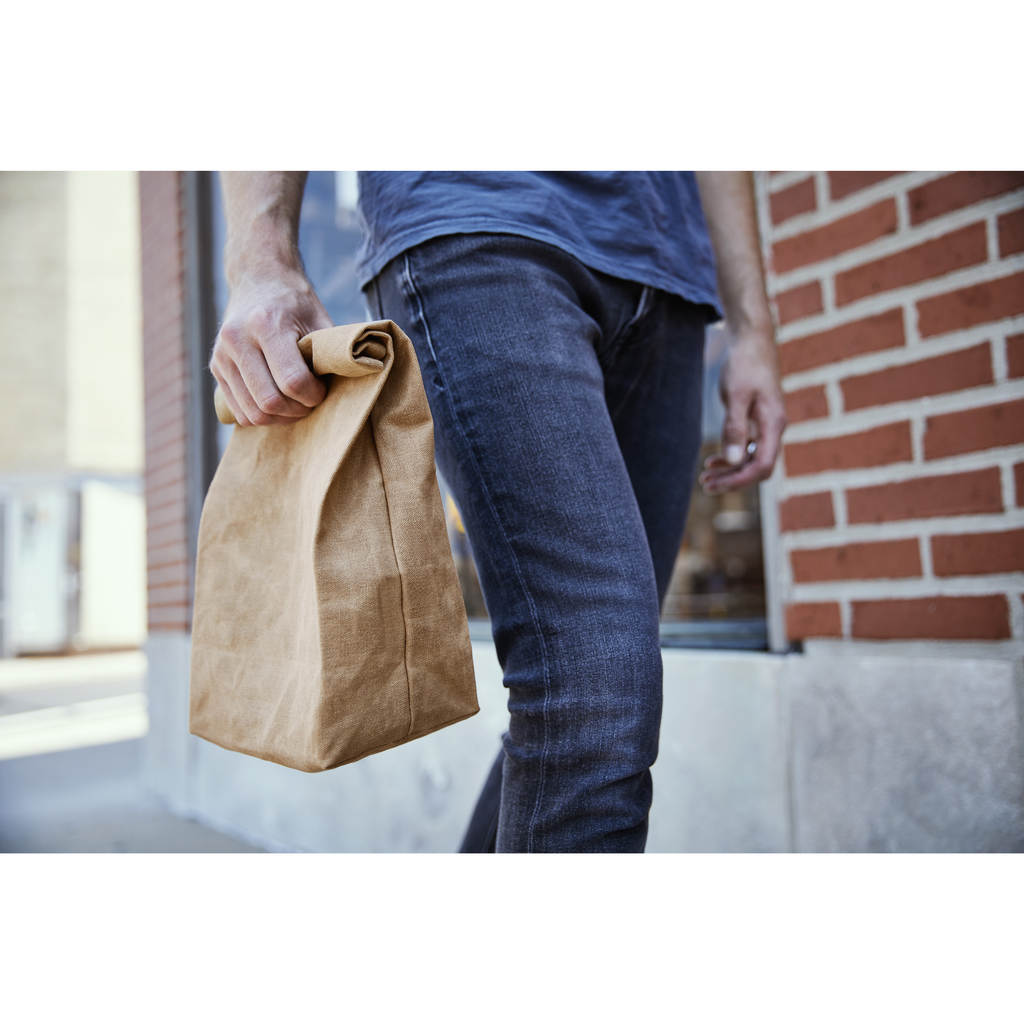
pixel 720 781
pixel 905 755
pixel 759 753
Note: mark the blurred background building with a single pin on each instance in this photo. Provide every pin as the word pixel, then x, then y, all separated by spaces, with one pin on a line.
pixel 71 438
pixel 843 646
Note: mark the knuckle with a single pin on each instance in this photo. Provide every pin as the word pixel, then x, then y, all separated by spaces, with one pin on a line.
pixel 272 404
pixel 230 335
pixel 262 320
pixel 292 382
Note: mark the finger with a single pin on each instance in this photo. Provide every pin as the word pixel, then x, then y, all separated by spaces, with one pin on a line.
pixel 267 396
pixel 233 404
pixel 718 461
pixel 251 414
pixel 736 429
pixel 770 420
pixel 758 468
pixel 292 376
pixel 728 481
pixel 239 343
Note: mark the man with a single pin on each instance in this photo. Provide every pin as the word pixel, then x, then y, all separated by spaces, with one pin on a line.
pixel 559 322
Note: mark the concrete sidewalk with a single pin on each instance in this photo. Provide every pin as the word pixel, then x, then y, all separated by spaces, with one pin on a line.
pixel 91 800
pixel 71 737
pixel 50 704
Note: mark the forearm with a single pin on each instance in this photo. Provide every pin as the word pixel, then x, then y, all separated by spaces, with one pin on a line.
pixel 730 210
pixel 272 304
pixel 261 209
pixel 749 379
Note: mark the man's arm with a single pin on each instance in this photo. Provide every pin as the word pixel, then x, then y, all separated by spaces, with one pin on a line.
pixel 750 377
pixel 272 305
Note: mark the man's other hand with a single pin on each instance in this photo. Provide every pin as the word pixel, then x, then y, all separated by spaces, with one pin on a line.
pixel 754 416
pixel 754 411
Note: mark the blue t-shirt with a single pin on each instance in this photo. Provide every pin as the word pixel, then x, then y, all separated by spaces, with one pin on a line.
pixel 645 226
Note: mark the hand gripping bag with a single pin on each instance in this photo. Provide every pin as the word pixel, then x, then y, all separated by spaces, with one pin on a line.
pixel 328 622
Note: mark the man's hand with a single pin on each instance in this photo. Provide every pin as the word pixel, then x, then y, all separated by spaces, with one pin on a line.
pixel 754 417
pixel 272 306
pixel 754 410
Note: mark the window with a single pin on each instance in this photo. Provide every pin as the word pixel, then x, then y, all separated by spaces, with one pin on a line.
pixel 716 597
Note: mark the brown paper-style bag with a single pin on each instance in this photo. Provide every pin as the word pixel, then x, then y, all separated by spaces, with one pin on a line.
pixel 328 620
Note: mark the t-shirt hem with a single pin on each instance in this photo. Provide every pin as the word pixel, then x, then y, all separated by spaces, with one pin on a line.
pixel 368 269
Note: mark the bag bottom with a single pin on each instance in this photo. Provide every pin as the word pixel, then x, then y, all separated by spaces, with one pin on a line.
pixel 263 756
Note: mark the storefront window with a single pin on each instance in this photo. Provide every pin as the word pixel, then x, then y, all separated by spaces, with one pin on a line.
pixel 716 596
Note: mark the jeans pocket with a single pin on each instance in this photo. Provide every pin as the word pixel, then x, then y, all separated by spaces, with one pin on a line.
pixel 611 352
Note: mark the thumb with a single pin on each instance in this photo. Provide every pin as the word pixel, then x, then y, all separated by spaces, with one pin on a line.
pixel 735 430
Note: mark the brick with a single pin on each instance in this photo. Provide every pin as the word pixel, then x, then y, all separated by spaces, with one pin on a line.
pixel 1011 233
pixel 164 473
pixel 796 199
pixel 165 397
pixel 978 554
pixel 167 554
pixel 1018 483
pixel 887 559
pixel 807 512
pixel 844 183
pixel 799 302
pixel 872 334
pixel 804 620
pixel 806 404
pixel 171 594
pixel 955 371
pixel 846 233
pixel 933 618
pixel 954 494
pixel 176 572
pixel 1015 355
pixel 974 430
pixel 164 514
pixel 958 249
pixel 172 619
pixel 881 446
pixel 171 494
pixel 166 445
pixel 955 191
pixel 171 533
pixel 977 304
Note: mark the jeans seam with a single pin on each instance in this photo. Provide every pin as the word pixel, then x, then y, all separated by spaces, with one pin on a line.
pixel 421 312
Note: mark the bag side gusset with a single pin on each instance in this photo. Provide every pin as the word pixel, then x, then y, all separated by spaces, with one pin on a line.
pixel 442 685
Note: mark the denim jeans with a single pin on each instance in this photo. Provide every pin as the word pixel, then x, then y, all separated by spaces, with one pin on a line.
pixel 566 409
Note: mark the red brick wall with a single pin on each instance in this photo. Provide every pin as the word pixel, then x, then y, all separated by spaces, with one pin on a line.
pixel 166 398
pixel 900 300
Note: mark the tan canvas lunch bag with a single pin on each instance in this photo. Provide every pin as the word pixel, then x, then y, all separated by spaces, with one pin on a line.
pixel 328 621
